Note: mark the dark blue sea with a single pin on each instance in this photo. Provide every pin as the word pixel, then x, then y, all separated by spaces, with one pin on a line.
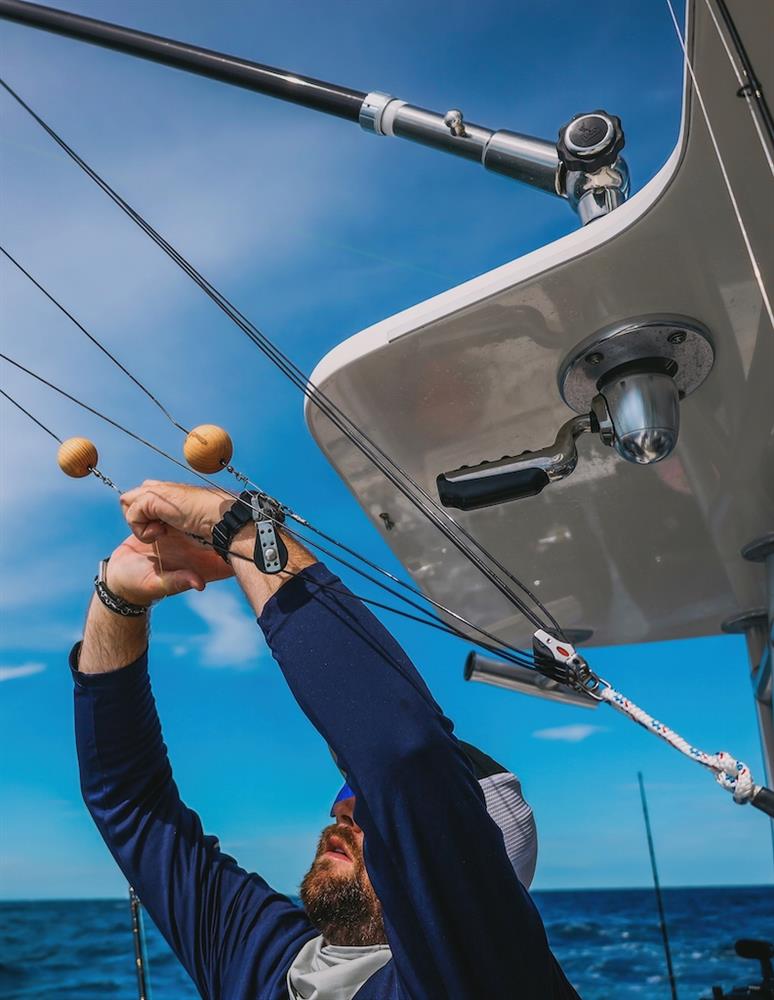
pixel 608 942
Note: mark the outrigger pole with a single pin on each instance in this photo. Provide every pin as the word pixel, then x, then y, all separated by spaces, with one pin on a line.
pixel 584 166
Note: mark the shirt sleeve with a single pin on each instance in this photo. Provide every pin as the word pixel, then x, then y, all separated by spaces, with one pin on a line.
pixel 232 932
pixel 459 923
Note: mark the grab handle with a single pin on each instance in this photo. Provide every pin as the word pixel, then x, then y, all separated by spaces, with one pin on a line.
pixel 513 478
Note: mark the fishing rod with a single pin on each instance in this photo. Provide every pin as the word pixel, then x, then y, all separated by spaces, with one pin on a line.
pixel 584 167
pixel 138 937
pixel 657 888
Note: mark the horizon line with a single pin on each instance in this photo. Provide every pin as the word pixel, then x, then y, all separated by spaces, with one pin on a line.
pixel 617 888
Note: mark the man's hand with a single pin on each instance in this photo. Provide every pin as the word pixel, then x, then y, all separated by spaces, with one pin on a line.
pixel 155 507
pixel 143 572
pixel 158 560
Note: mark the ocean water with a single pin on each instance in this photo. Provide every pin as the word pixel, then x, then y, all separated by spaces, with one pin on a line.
pixel 608 942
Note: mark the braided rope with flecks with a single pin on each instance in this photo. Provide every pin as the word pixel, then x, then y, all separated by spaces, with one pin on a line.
pixel 730 773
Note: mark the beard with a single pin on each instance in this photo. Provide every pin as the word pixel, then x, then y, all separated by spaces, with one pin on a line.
pixel 339 898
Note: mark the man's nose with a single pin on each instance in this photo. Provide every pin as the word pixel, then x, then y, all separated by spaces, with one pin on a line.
pixel 344 813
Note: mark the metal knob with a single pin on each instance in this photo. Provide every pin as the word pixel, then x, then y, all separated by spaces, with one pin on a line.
pixel 454 122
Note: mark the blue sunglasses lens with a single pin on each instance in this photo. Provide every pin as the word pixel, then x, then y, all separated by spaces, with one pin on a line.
pixel 345 793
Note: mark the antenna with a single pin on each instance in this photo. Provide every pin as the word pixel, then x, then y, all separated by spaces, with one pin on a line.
pixel 657 888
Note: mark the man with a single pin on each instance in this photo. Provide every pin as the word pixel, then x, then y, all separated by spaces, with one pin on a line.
pixel 412 893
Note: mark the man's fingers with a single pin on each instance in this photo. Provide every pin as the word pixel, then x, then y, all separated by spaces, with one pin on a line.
pixel 149 509
pixel 155 486
pixel 143 525
pixel 189 509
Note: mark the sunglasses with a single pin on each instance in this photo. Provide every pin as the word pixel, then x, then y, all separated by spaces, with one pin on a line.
pixel 345 793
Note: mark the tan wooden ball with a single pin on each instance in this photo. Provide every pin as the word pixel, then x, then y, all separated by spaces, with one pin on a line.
pixel 77 457
pixel 208 448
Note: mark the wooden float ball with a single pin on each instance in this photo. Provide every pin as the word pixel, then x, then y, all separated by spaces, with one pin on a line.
pixel 208 448
pixel 77 457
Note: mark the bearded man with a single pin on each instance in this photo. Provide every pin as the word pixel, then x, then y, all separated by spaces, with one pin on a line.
pixel 417 889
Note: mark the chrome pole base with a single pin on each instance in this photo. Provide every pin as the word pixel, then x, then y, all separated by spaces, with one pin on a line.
pixel 682 345
pixel 635 374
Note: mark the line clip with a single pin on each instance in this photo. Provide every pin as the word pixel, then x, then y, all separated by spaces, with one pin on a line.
pixel 271 554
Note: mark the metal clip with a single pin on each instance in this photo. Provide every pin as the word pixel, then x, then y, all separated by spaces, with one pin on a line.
pixel 560 661
pixel 271 554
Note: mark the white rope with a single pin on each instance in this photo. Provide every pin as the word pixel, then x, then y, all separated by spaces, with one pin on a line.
pixel 730 773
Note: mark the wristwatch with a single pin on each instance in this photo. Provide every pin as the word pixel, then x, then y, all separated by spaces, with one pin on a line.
pixel 112 601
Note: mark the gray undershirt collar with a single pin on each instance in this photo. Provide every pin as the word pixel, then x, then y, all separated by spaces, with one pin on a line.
pixel 331 972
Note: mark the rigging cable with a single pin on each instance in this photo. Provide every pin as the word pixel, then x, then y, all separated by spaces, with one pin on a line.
pixel 750 88
pixel 721 163
pixel 413 492
pixel 286 510
pixel 494 644
pixel 27 413
pixel 731 774
pixel 97 343
pixel 431 621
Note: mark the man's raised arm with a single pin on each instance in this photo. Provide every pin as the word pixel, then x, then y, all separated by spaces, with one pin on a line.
pixel 459 923
pixel 234 935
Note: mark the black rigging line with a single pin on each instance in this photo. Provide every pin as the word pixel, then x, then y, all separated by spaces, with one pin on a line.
pixel 102 416
pixel 94 341
pixel 526 660
pixel 753 88
pixel 515 655
pixel 420 498
pixel 430 620
pixel 287 510
pixel 28 414
pixel 495 646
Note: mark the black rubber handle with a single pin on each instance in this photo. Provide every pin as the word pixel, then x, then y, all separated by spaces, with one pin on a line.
pixel 475 493
pixel 764 800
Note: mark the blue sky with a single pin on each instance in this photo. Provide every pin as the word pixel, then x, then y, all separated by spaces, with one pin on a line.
pixel 316 231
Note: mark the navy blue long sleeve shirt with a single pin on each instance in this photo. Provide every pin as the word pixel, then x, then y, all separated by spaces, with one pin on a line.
pixel 459 924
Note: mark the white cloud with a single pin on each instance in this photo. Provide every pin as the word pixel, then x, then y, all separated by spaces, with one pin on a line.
pixel 22 670
pixel 568 734
pixel 233 639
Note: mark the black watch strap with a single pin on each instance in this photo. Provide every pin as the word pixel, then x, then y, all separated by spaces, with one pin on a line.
pixel 270 554
pixel 112 601
pixel 236 517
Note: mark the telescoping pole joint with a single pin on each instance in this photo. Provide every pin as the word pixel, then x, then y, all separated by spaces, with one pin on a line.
pixel 585 166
